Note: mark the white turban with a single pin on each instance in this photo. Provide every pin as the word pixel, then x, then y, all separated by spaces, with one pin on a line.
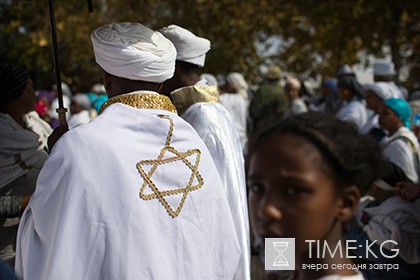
pixel 381 89
pixel 133 51
pixel 190 48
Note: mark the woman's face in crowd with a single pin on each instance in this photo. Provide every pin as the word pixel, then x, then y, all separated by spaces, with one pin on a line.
pixel 388 119
pixel 292 194
pixel 345 94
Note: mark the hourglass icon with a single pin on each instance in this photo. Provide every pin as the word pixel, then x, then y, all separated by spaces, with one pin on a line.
pixel 280 247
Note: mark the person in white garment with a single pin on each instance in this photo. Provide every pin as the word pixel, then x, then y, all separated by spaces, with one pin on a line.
pixel 375 94
pixel 67 94
pixel 80 109
pixel 384 71
pixel 198 104
pixel 353 109
pixel 401 146
pixel 134 194
pixel 296 104
pixel 234 99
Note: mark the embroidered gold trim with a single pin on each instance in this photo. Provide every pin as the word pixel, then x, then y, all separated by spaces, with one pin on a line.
pixel 177 156
pixel 142 101
pixel 185 97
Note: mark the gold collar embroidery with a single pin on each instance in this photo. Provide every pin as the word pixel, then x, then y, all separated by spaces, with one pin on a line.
pixel 142 100
pixel 185 97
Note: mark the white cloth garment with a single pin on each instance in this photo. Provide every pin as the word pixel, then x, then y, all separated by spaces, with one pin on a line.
pixel 215 126
pixel 80 118
pixel 398 220
pixel 397 91
pixel 297 106
pixel 42 129
pixel 133 51
pixel 19 150
pixel 237 107
pixel 383 91
pixel 87 221
pixel 402 148
pixel 354 112
pixel 189 47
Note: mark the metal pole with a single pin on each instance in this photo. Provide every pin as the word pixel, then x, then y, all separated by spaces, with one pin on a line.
pixel 61 110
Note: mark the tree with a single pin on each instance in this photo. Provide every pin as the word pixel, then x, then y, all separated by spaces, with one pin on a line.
pixel 310 38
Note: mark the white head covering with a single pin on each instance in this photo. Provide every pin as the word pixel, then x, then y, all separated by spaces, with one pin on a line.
pixel 64 88
pixel 98 89
pixel 237 80
pixel 384 68
pixel 210 79
pixel 381 89
pixel 190 48
pixel 133 51
pixel 83 101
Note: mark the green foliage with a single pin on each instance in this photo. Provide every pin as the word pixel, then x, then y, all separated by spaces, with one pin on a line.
pixel 310 38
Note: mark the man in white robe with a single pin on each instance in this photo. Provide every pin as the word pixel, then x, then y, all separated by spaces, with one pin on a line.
pixel 198 104
pixel 134 194
pixel 384 71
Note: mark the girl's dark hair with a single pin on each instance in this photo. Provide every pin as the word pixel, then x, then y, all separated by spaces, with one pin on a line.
pixel 353 158
pixel 352 84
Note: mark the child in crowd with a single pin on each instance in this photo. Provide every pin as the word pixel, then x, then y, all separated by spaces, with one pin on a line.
pixel 305 178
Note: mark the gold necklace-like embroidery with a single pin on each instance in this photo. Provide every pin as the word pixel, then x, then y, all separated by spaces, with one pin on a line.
pixel 178 156
pixel 142 101
pixel 185 97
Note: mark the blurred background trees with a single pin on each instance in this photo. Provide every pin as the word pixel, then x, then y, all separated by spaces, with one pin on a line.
pixel 311 38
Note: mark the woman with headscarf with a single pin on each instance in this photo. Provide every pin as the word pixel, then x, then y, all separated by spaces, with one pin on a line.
pixel 400 146
pixel 375 94
pixel 80 109
pixel 353 110
pixel 330 102
pixel 22 152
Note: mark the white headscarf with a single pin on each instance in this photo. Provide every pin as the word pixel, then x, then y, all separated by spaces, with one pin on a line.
pixel 133 51
pixel 83 101
pixel 238 81
pixel 381 89
pixel 190 48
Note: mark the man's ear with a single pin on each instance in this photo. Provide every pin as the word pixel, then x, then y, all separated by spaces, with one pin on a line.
pixel 349 201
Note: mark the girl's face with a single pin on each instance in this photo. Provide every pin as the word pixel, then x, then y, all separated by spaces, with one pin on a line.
pixel 345 94
pixel 292 92
pixel 389 120
pixel 292 193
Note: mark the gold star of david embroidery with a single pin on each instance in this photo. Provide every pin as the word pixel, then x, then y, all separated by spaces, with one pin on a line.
pixel 172 155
